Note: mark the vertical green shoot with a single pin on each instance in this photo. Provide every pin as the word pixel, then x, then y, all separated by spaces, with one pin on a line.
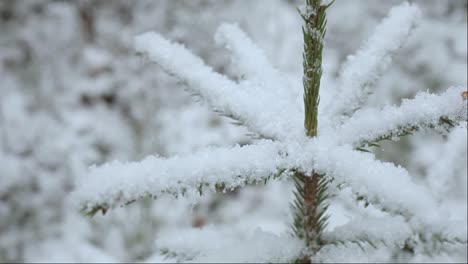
pixel 310 205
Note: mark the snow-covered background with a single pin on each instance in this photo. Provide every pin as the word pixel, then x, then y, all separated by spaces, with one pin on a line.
pixel 73 94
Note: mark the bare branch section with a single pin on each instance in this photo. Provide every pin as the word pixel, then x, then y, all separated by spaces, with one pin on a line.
pixel 119 183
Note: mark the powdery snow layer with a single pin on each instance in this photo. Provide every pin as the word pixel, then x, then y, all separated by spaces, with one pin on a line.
pixel 248 59
pixel 390 230
pixel 352 253
pixel 196 245
pixel 263 104
pixel 117 183
pixel 424 111
pixel 388 186
pixel 363 69
pixel 451 160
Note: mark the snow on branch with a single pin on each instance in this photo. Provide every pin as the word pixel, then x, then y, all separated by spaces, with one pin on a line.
pixel 424 111
pixel 351 253
pixel 361 236
pixel 388 230
pixel 381 183
pixel 363 69
pixel 250 61
pixel 450 161
pixel 265 111
pixel 119 183
pixel 256 246
pixel 445 230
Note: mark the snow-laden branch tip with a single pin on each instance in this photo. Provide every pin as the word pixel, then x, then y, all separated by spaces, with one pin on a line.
pixel 252 64
pixel 363 69
pixel 424 111
pixel 248 59
pixel 266 110
pixel 118 183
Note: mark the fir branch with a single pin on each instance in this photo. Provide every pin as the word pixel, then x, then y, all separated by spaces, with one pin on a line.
pixel 359 242
pixel 381 182
pixel 431 243
pixel 426 111
pixel 201 188
pixel 237 119
pixel 223 81
pixel 197 245
pixel 387 230
pixel 358 197
pixel 117 184
pixel 361 71
pixel 177 257
pixel 445 125
pixel 248 102
pixel 248 59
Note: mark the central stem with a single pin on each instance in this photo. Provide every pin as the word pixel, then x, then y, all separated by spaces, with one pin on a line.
pixel 310 193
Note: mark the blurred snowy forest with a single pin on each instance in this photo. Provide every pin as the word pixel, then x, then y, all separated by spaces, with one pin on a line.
pixel 73 94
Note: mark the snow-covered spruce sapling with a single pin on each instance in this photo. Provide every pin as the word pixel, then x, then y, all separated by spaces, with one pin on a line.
pixel 323 161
